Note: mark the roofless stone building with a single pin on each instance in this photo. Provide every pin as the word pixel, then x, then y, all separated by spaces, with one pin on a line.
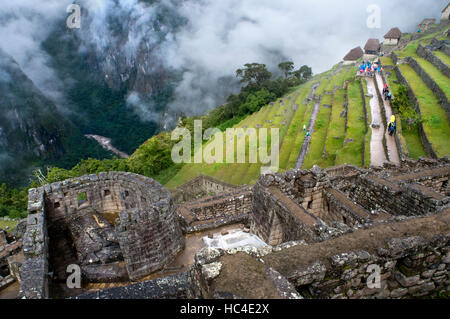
pixel 115 226
pixel 322 229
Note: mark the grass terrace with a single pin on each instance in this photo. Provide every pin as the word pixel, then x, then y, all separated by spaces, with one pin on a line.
pixel 435 121
pixel 351 152
pixel 444 57
pixel 319 135
pixel 368 136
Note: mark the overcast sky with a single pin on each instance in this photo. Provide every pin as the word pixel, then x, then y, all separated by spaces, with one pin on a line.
pixel 220 37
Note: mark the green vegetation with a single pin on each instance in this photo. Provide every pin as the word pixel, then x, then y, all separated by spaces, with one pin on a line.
pixel 319 135
pixel 13 202
pixel 368 121
pixel 444 57
pixel 351 153
pixel 258 105
pixel 407 129
pixel 336 129
pixel 386 61
pixel 434 118
pixel 440 79
pixel 296 127
pixel 10 224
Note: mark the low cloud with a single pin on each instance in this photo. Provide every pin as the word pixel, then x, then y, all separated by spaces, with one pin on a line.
pixel 217 38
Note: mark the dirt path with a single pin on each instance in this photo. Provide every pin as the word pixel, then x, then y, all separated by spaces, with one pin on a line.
pixel 390 140
pixel 312 122
pixel 377 155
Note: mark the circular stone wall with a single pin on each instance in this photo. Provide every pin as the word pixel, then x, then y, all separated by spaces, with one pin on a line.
pixel 114 225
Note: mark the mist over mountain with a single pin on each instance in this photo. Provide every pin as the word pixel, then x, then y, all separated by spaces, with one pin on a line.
pixel 135 66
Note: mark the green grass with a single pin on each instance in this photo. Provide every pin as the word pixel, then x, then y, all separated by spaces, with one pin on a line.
pixel 409 137
pixel 8 223
pixel 293 156
pixel 319 134
pixel 436 124
pixel 296 127
pixel 351 153
pixel 336 129
pixel 413 142
pixel 369 130
pixel 386 61
pixel 247 173
pixel 444 57
pixel 329 132
pixel 441 80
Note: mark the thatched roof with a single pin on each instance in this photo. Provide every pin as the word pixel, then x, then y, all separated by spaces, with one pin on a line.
pixel 354 54
pixel 394 33
pixel 446 8
pixel 372 45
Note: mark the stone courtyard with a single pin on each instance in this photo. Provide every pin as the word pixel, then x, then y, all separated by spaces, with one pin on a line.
pixel 297 234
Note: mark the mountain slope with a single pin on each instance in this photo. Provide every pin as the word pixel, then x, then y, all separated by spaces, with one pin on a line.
pixel 32 130
pixel 341 132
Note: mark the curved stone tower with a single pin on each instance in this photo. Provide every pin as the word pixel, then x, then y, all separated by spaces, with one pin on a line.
pixel 116 226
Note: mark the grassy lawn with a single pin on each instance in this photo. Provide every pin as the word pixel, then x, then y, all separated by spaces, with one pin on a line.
pixel 444 57
pixel 351 153
pixel 368 136
pixel 336 129
pixel 8 223
pixel 436 124
pixel 436 75
pixel 414 145
pixel 386 61
pixel 319 135
pixel 296 126
pixel 409 137
pixel 246 173
pixel 293 156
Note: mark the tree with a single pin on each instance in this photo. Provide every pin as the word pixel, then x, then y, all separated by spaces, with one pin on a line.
pixel 286 67
pixel 304 73
pixel 254 73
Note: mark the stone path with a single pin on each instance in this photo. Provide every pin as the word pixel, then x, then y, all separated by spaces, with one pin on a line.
pixel 311 124
pixel 377 154
pixel 391 144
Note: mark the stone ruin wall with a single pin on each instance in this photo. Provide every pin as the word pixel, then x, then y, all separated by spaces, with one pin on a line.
pixel 10 259
pixel 397 199
pixel 273 222
pixel 215 211
pixel 296 205
pixel 356 198
pixel 199 187
pixel 34 273
pixel 92 234
pixel 410 267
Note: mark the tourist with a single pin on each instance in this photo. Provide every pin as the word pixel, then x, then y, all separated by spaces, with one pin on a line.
pixel 389 96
